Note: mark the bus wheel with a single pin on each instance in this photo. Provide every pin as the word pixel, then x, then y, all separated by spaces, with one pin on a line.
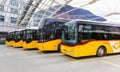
pixel 101 51
pixel 59 48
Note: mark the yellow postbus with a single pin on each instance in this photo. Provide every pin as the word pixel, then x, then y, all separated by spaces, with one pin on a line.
pixel 86 38
pixel 7 41
pixel 19 38
pixel 13 38
pixel 30 39
pixel 10 38
pixel 49 34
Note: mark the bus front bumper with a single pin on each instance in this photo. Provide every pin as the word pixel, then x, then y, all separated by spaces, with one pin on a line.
pixel 31 45
pixel 70 50
pixel 12 43
pixel 18 44
pixel 8 43
pixel 40 46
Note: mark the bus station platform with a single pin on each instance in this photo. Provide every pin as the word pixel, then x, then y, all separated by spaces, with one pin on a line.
pixel 20 60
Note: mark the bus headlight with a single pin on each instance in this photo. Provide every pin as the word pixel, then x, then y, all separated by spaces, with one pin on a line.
pixel 72 52
pixel 64 51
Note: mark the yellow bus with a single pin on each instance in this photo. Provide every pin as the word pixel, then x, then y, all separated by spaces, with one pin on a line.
pixel 10 38
pixel 19 38
pixel 7 41
pixel 13 37
pixel 49 34
pixel 86 38
pixel 30 40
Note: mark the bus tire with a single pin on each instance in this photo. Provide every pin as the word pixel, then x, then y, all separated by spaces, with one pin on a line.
pixel 101 51
pixel 59 48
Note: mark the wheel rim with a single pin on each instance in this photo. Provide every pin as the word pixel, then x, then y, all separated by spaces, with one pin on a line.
pixel 101 52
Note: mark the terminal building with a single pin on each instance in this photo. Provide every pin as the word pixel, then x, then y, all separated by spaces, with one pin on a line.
pixel 59 35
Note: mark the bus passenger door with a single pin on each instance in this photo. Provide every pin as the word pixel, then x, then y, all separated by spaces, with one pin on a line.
pixel 49 38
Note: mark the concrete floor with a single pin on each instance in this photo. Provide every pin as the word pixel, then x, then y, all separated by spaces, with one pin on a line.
pixel 19 60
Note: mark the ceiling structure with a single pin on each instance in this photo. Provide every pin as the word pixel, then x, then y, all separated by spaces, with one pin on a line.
pixel 22 13
pixel 27 13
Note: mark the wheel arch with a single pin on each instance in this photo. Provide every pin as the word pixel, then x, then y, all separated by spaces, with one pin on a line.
pixel 102 46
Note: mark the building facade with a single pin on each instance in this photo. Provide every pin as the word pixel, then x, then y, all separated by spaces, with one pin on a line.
pixel 9 13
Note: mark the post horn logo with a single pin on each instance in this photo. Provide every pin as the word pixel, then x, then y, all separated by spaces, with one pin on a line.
pixel 116 45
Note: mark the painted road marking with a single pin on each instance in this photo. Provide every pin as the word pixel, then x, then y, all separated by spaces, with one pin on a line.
pixel 99 59
pixel 89 59
pixel 70 58
pixel 111 63
pixel 79 60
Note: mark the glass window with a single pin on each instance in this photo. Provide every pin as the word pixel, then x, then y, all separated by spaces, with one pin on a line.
pixel 1 8
pixel 58 30
pixel 14 3
pixel 30 34
pixel 60 23
pixel 69 33
pixel 13 20
pixel 99 28
pixel 13 10
pixel 87 31
pixel 17 36
pixel 49 23
pixel 1 18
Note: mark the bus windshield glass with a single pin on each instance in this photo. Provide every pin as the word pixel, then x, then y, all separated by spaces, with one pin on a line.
pixel 8 37
pixel 17 36
pixel 69 33
pixel 50 29
pixel 29 34
pixel 12 36
pixel 23 35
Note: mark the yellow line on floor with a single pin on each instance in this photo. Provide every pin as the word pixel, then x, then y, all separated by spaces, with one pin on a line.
pixel 111 63
pixel 68 57
pixel 95 58
pixel 88 59
pixel 79 60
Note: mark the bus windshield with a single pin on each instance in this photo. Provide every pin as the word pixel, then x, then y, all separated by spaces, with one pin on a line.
pixel 50 29
pixel 17 36
pixel 8 37
pixel 12 36
pixel 23 35
pixel 30 35
pixel 69 34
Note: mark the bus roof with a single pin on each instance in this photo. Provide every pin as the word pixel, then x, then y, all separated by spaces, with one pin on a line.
pixel 56 18
pixel 20 29
pixel 12 31
pixel 33 28
pixel 47 18
pixel 97 23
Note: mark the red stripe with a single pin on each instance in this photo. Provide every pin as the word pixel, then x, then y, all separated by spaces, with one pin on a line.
pixel 88 42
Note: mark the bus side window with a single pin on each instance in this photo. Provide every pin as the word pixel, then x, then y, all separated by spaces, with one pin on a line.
pixel 51 37
pixel 35 35
pixel 87 31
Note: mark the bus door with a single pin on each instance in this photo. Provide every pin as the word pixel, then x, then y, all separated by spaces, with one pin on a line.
pixel 49 36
